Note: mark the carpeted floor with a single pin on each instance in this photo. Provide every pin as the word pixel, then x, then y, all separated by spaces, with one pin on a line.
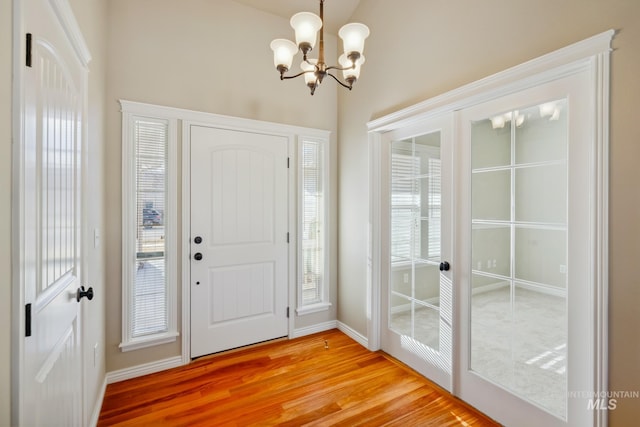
pixel 518 342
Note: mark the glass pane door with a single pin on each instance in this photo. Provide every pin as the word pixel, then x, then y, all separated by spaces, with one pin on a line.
pixel 415 239
pixel 418 303
pixel 519 253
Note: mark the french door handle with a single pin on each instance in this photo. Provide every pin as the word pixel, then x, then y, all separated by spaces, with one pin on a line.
pixel 81 293
pixel 444 266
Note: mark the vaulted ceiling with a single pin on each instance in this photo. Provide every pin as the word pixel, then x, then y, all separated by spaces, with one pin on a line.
pixel 336 12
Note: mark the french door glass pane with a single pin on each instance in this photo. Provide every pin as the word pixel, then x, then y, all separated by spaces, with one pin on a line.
pixel 491 200
pixel 416 214
pixel 519 252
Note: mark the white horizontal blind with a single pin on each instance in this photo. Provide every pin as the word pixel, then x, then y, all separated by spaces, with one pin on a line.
pixel 415 199
pixel 435 208
pixel 313 229
pixel 149 306
pixel 405 207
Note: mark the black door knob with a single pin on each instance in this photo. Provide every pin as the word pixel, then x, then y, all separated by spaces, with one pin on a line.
pixel 444 266
pixel 197 256
pixel 81 293
pixel 197 240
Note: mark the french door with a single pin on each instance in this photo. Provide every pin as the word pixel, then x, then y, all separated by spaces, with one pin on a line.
pixel 417 297
pixel 490 246
pixel 524 267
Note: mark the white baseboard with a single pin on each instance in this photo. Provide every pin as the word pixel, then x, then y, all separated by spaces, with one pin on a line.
pixel 319 327
pixel 145 369
pixel 559 292
pixel 488 288
pixel 354 335
pixel 97 406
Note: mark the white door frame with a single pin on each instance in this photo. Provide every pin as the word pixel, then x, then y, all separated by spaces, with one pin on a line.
pixel 591 54
pixel 71 28
pixel 292 133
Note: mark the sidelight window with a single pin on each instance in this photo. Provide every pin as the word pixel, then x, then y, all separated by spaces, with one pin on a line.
pixel 312 263
pixel 148 221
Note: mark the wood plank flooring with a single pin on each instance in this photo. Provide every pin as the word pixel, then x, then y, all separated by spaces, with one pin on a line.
pixel 289 383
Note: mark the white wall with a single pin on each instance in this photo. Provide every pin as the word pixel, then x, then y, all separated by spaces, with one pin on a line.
pixel 202 55
pixel 421 48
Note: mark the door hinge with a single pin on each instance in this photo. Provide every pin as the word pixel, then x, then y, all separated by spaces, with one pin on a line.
pixel 287 312
pixel 27 320
pixel 28 49
pixel 288 162
pixel 287 237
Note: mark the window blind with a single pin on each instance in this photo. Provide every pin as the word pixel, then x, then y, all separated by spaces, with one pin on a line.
pixel 312 222
pixel 149 306
pixel 435 208
pixel 405 207
pixel 415 206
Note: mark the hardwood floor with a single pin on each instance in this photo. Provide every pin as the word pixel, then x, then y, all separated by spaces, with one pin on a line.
pixel 289 383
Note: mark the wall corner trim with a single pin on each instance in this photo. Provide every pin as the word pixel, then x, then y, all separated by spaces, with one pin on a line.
pixel 353 334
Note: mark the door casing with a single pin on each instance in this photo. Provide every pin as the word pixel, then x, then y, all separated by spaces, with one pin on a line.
pixel 293 134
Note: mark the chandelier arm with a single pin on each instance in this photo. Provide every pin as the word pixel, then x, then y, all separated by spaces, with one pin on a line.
pixel 316 65
pixel 283 77
pixel 335 67
pixel 338 80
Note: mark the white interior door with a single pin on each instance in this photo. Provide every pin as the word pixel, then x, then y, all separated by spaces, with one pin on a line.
pixel 51 251
pixel 525 263
pixel 239 238
pixel 416 302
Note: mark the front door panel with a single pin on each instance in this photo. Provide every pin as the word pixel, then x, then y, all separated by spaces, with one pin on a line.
pixel 239 268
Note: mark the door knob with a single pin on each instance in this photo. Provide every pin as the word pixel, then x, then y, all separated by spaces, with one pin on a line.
pixel 444 266
pixel 197 240
pixel 81 293
pixel 197 256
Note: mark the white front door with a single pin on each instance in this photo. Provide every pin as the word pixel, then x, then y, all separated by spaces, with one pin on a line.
pixel 416 300
pixel 51 231
pixel 524 260
pixel 239 238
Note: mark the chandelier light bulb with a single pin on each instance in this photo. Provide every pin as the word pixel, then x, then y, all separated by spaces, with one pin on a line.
pixel 353 36
pixel 350 73
pixel 547 109
pixel 497 122
pixel 306 26
pixel 309 68
pixel 283 52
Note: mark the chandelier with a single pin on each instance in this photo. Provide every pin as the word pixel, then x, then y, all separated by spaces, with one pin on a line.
pixel 306 26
